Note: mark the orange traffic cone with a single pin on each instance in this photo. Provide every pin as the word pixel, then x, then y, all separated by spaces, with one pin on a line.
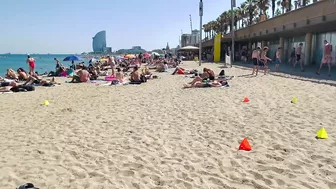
pixel 246 99
pixel 244 145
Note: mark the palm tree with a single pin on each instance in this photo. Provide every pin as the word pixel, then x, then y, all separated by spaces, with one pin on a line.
pixel 304 3
pixel 289 6
pixel 243 8
pixel 206 30
pixel 273 7
pixel 263 6
pixel 251 6
pixel 282 4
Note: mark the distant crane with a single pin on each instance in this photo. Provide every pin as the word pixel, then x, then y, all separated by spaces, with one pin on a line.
pixel 190 22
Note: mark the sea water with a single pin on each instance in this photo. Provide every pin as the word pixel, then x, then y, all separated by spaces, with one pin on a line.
pixel 44 62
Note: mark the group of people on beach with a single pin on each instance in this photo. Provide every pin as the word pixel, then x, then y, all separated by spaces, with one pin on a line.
pixel 137 70
pixel 261 61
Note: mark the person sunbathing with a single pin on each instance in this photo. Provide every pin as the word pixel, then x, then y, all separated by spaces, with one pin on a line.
pixel 38 81
pixel 208 74
pixel 182 71
pixel 199 84
pixel 11 74
pixel 23 76
pixel 82 76
pixel 135 76
pixel 120 76
pixel 15 87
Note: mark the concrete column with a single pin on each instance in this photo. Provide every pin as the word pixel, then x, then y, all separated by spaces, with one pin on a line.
pixel 308 47
pixel 282 44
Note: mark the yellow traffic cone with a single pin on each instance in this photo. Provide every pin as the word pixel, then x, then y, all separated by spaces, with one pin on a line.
pixel 46 102
pixel 322 134
pixel 294 100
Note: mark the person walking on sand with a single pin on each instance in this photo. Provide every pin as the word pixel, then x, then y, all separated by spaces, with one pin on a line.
pixel 58 64
pixel 327 58
pixel 255 59
pixel 264 59
pixel 278 59
pixel 298 57
pixel 31 62
pixel 110 61
pixel 292 57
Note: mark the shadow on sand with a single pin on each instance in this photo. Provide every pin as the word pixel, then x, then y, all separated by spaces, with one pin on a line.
pixel 286 71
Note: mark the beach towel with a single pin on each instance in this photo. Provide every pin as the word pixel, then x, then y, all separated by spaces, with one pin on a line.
pixel 98 81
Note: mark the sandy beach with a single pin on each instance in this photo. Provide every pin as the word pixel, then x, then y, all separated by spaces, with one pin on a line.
pixel 158 135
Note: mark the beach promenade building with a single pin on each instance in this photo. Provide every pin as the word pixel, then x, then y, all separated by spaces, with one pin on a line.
pixel 310 25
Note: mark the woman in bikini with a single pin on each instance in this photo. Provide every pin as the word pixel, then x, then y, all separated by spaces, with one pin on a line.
pixel 11 74
pixel 200 84
pixel 23 76
pixel 31 62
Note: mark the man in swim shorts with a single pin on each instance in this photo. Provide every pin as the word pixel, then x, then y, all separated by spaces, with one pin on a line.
pixel 255 59
pixel 327 58
pixel 299 57
pixel 277 59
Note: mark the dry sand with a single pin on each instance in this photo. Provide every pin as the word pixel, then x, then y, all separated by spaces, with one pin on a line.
pixel 158 135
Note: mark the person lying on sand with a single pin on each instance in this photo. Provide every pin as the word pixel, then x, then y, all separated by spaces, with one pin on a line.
pixel 182 71
pixel 82 76
pixel 38 81
pixel 11 74
pixel 199 84
pixel 23 75
pixel 208 74
pixel 15 87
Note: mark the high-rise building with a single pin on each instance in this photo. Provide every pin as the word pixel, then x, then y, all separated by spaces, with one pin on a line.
pixel 190 39
pixel 99 42
pixel 195 37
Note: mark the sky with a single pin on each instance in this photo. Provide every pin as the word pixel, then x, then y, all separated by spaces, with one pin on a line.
pixel 67 26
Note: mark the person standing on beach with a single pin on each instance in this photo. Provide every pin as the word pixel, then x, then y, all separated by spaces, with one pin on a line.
pixel 327 58
pixel 264 59
pixel 277 59
pixel 298 57
pixel 31 62
pixel 292 57
pixel 110 60
pixel 58 64
pixel 255 60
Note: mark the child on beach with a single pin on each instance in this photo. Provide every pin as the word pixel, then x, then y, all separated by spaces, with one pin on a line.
pixel 277 59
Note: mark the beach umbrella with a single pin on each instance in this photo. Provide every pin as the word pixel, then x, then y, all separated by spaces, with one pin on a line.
pixel 73 58
pixel 162 55
pixel 146 55
pixel 129 56
pixel 155 54
pixel 93 60
pixel 103 60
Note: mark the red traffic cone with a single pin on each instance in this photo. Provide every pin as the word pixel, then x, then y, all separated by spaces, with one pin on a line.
pixel 244 145
pixel 246 99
